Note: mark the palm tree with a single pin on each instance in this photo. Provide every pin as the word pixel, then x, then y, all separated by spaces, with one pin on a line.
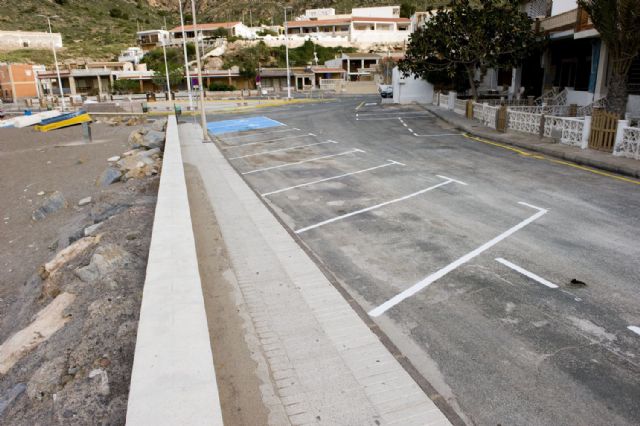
pixel 618 22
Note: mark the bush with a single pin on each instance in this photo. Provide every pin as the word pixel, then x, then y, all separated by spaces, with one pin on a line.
pixel 126 86
pixel 118 14
pixel 221 87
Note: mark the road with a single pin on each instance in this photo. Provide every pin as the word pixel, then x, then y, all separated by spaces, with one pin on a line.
pixel 509 281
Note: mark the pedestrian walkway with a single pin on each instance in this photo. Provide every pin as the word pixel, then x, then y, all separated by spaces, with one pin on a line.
pixel 326 365
pixel 587 157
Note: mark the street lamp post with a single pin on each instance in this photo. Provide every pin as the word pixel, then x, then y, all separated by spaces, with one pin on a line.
pixel 286 44
pixel 203 116
pixel 186 63
pixel 55 59
pixel 166 68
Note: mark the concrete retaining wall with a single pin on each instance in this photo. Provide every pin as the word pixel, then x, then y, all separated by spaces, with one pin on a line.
pixel 173 381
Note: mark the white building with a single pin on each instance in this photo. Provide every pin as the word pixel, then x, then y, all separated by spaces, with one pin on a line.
pixel 131 54
pixel 211 30
pixel 150 39
pixel 15 40
pixel 409 89
pixel 376 12
pixel 364 28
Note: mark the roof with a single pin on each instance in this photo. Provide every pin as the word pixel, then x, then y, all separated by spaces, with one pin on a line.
pixel 318 23
pixel 327 70
pixel 360 56
pixel 328 22
pixel 211 26
pixel 365 19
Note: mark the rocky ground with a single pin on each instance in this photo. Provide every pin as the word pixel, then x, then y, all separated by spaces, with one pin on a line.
pixel 76 226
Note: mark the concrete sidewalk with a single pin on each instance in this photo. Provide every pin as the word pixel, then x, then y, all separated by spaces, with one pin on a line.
pixel 587 157
pixel 326 366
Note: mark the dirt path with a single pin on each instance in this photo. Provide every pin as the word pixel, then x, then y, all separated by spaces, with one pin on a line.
pixel 233 341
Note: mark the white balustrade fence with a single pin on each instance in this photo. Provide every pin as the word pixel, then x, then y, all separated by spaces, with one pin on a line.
pixel 628 145
pixel 525 122
pixel 443 101
pixel 460 106
pixel 485 114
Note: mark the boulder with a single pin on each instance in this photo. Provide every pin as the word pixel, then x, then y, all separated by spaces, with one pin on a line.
pixel 84 201
pixel 113 159
pixel 105 260
pixel 8 397
pixel 159 125
pixel 52 203
pixel 135 137
pixel 109 176
pixel 153 139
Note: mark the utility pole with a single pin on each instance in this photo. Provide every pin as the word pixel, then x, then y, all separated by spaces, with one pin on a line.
pixel 186 61
pixel 55 59
pixel 166 69
pixel 203 116
pixel 286 44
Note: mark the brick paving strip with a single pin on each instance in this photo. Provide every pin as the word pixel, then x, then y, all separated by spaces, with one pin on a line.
pixel 326 365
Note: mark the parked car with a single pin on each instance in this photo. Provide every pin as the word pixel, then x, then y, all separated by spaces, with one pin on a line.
pixel 386 91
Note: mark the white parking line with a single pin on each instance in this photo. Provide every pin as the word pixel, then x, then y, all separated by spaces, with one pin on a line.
pixel 634 329
pixel 377 206
pixel 437 135
pixel 454 265
pixel 303 161
pixel 291 129
pixel 526 273
pixel 282 149
pixel 270 140
pixel 390 163
pixel 396 113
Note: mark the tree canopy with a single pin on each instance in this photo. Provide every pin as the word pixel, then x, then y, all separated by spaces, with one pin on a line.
pixel 470 37
pixel 618 22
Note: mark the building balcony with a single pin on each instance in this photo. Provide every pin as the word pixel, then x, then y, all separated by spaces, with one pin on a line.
pixel 577 20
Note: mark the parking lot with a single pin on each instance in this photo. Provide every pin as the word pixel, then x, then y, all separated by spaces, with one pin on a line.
pixel 509 281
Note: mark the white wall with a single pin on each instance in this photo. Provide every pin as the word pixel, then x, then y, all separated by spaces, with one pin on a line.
pixel 243 31
pixel 13 40
pixel 633 105
pixel 409 89
pixel 579 97
pixel 376 12
pixel 561 6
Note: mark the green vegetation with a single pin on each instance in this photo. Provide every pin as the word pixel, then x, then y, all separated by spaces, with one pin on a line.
pixel 87 27
pixel 126 86
pixel 469 38
pixel 249 59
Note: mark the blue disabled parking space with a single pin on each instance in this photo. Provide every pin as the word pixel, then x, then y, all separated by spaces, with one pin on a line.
pixel 241 125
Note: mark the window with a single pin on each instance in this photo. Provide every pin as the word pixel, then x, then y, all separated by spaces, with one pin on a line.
pixel 403 27
pixel 25 43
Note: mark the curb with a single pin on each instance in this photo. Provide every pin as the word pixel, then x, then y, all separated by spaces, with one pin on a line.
pixel 575 158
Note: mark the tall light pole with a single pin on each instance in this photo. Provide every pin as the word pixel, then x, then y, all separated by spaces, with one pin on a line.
pixel 286 44
pixel 55 59
pixel 186 62
pixel 203 116
pixel 166 68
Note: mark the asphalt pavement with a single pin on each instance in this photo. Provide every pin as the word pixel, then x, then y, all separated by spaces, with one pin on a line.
pixel 508 281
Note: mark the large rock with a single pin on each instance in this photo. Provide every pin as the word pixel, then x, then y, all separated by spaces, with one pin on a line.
pixel 159 125
pixel 105 260
pixel 52 203
pixel 135 138
pixel 8 397
pixel 153 139
pixel 109 176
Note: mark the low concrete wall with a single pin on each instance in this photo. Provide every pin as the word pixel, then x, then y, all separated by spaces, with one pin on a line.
pixel 173 381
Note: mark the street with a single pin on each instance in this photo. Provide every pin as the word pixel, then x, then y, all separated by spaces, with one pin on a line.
pixel 509 280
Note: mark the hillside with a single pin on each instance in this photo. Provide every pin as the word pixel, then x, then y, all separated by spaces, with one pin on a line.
pixel 88 28
pixel 99 29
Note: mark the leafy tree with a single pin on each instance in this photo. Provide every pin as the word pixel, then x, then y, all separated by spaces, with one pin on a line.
pixel 470 38
pixel 126 86
pixel 618 22
pixel 175 57
pixel 407 9
pixel 175 78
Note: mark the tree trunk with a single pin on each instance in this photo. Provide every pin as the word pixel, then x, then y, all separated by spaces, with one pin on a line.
pixel 471 71
pixel 617 94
